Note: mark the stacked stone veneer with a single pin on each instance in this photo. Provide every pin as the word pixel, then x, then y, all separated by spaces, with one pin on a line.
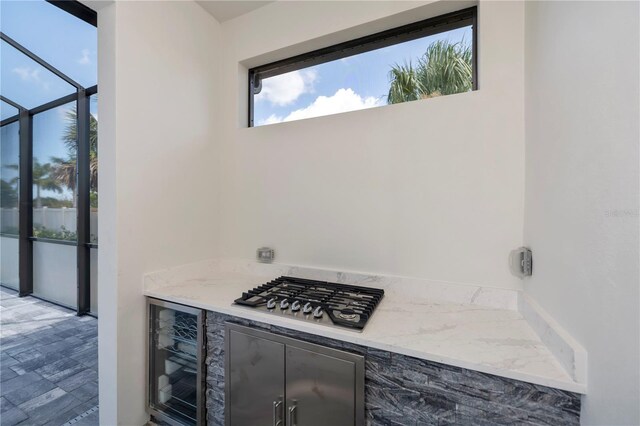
pixel 401 390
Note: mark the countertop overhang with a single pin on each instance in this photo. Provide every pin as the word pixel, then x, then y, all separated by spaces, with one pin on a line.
pixel 473 336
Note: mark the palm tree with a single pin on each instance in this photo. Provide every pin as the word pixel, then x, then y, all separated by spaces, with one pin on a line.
pixel 64 173
pixel 444 69
pixel 42 179
pixel 65 169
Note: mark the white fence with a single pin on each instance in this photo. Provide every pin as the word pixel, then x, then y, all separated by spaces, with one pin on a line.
pixel 50 218
pixel 55 219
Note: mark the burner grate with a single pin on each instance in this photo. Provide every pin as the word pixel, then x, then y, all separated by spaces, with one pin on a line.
pixel 346 305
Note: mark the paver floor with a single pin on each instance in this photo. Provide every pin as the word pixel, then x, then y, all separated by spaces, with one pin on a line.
pixel 48 364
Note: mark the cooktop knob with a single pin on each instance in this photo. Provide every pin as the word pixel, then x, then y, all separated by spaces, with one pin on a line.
pixel 307 308
pixel 284 304
pixel 271 303
pixel 317 312
pixel 295 306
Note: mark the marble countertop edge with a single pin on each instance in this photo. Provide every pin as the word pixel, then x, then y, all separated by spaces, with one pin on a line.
pixel 161 292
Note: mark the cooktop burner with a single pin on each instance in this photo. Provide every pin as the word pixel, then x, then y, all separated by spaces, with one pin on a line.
pixel 315 301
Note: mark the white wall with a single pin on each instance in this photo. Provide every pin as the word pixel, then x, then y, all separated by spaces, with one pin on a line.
pixel 93 280
pixel 9 266
pixel 430 189
pixel 157 80
pixel 55 274
pixel 581 210
pixel 54 270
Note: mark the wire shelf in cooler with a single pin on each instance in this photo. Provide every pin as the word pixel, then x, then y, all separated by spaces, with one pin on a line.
pixel 169 334
pixel 179 352
pixel 186 327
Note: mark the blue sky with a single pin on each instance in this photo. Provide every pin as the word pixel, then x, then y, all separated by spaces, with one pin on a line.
pixel 7 110
pixel 355 82
pixel 59 38
pixel 64 41
pixel 9 150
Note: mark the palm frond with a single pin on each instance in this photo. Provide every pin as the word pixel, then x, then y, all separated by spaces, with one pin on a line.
pixel 64 172
pixel 446 68
pixel 405 84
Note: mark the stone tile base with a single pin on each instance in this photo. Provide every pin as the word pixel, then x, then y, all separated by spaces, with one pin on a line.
pixel 401 390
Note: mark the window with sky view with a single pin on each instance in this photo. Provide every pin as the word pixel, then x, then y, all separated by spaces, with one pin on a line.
pixel 402 72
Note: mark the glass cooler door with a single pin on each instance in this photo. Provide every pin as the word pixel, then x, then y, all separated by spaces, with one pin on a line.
pixel 176 357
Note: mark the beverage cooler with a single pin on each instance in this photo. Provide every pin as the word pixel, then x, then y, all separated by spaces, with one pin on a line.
pixel 176 363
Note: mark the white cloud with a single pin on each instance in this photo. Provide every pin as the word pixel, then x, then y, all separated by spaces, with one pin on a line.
pixel 31 75
pixel 284 89
pixel 27 73
pixel 342 101
pixel 85 60
pixel 272 119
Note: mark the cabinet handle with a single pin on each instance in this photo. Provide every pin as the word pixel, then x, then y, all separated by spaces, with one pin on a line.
pixel 277 419
pixel 292 414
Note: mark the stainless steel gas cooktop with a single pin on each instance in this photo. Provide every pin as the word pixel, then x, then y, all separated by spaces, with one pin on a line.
pixel 321 302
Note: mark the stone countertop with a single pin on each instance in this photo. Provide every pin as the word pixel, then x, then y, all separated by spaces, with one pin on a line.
pixel 448 323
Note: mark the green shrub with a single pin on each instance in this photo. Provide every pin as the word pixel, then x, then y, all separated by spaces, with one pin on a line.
pixel 52 234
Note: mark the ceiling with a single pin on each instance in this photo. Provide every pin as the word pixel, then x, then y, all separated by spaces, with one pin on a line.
pixel 96 4
pixel 225 10
pixel 222 10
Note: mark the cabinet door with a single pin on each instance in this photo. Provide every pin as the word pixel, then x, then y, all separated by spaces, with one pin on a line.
pixel 255 380
pixel 321 389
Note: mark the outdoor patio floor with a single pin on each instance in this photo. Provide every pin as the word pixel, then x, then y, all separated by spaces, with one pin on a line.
pixel 48 364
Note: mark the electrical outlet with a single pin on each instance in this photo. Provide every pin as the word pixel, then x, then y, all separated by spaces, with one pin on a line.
pixel 265 254
pixel 521 262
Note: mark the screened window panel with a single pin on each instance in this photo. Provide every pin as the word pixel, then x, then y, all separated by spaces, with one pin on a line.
pixel 55 151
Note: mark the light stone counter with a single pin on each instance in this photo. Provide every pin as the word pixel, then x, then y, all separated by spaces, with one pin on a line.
pixel 465 326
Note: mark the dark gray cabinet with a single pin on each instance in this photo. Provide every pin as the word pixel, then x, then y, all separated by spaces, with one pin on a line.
pixel 279 381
